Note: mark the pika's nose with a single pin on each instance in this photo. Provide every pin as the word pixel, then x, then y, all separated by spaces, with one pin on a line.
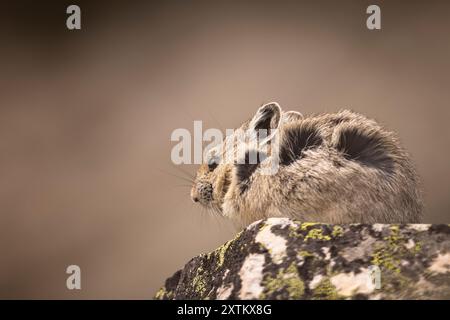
pixel 194 195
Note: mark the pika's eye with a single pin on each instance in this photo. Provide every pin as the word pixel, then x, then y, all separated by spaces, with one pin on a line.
pixel 213 162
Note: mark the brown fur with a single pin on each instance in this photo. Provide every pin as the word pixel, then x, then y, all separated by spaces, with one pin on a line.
pixel 336 168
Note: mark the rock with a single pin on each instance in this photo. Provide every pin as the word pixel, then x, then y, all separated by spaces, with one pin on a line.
pixel 280 258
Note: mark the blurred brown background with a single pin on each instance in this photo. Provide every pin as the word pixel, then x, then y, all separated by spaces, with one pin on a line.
pixel 86 118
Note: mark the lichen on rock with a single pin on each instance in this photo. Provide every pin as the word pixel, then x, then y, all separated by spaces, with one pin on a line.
pixel 280 258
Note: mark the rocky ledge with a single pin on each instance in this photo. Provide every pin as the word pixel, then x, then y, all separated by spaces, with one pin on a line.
pixel 280 258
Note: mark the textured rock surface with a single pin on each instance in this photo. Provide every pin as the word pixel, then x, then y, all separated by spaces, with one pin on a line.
pixel 279 258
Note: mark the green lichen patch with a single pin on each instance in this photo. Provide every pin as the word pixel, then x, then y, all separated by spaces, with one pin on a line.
pixel 306 225
pixel 262 225
pixel 163 294
pixel 325 290
pixel 417 248
pixel 199 282
pixel 305 254
pixel 394 249
pixel 287 280
pixel 387 256
pixel 338 231
pixel 315 231
pixel 221 251
pixel 317 234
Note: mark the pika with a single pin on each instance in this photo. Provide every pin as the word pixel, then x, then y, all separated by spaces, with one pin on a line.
pixel 333 168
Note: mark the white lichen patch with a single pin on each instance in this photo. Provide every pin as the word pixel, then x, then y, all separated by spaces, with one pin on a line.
pixel 224 292
pixel 225 274
pixel 410 244
pixel 378 227
pixel 327 253
pixel 251 275
pixel 349 284
pixel 253 224
pixel 441 264
pixel 332 263
pixel 419 226
pixel 276 245
pixel 300 260
pixel 315 281
pixel 282 222
pixel 404 263
pixel 361 251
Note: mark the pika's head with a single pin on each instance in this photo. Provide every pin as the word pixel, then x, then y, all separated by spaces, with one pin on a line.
pixel 224 163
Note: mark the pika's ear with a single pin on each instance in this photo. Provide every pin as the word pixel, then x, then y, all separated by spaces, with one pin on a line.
pixel 291 116
pixel 267 117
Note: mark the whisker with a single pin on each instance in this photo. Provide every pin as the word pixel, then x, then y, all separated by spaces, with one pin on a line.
pixel 187 174
pixel 179 177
